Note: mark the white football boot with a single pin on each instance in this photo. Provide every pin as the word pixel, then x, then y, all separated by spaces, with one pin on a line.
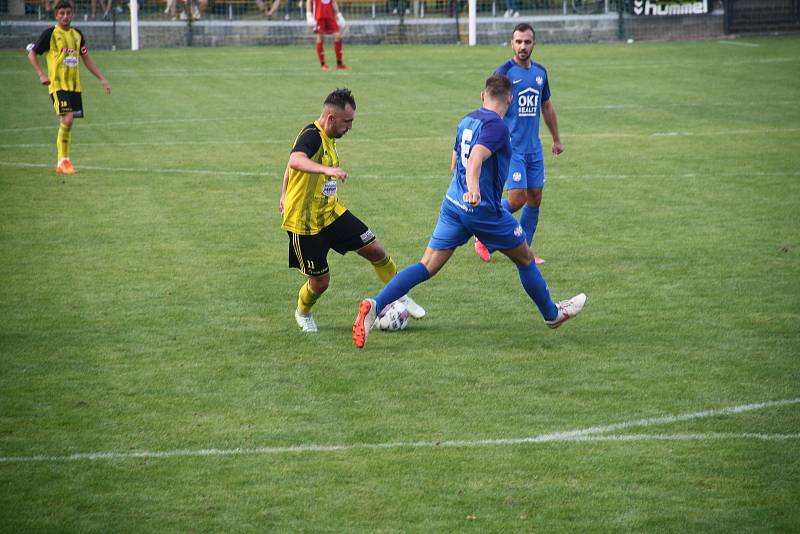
pixel 568 309
pixel 306 322
pixel 414 310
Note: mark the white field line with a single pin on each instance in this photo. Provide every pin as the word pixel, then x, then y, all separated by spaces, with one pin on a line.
pixel 739 43
pixel 444 177
pixel 708 436
pixel 591 434
pixel 138 171
pixel 358 140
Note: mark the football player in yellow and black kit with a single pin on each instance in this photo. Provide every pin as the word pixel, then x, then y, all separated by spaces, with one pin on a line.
pixel 65 47
pixel 313 216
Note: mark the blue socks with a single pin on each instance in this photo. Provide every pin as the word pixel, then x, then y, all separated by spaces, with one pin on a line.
pixel 529 219
pixel 401 284
pixel 537 289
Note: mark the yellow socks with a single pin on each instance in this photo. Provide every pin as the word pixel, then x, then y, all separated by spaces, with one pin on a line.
pixel 306 298
pixel 385 269
pixel 63 141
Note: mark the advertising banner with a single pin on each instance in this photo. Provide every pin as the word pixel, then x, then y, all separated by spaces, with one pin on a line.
pixel 670 7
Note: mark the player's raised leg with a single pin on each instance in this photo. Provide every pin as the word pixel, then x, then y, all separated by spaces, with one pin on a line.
pixel 365 321
pixel 410 277
pixel 397 287
pixel 386 269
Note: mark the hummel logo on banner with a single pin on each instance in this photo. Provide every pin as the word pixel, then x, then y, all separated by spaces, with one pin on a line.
pixel 670 7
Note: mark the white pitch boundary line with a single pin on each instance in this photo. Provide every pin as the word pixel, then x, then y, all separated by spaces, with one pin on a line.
pixel 709 436
pixel 737 43
pixel 591 434
pixel 132 169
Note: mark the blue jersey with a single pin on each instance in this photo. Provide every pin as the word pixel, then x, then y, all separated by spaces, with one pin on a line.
pixel 530 89
pixel 481 127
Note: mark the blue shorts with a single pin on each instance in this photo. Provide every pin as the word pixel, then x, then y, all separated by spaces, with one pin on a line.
pixel 456 225
pixel 525 171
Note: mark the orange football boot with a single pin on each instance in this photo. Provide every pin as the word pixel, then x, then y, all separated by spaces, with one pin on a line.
pixel 65 167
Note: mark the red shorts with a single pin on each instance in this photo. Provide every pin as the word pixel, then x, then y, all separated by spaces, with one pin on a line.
pixel 326 25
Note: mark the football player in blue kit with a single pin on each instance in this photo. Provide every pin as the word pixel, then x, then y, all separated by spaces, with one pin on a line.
pixel 472 207
pixel 530 99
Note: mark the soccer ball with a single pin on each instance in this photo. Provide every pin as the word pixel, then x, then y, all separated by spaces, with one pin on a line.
pixel 393 317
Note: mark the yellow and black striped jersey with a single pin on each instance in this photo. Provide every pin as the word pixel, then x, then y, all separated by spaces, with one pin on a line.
pixel 64 48
pixel 311 201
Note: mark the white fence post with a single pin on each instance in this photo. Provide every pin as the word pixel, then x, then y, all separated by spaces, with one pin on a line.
pixel 134 6
pixel 473 23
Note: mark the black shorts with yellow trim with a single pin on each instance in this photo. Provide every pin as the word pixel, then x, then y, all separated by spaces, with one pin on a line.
pixel 309 253
pixel 68 102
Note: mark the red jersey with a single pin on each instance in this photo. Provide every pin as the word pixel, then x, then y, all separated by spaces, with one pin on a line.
pixel 323 9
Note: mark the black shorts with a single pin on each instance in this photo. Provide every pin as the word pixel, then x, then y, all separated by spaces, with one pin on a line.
pixel 68 102
pixel 309 253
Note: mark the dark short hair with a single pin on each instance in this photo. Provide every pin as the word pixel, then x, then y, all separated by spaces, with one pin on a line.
pixel 63 4
pixel 498 86
pixel 524 27
pixel 340 98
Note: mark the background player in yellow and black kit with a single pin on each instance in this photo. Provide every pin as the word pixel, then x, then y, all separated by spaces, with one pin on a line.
pixel 313 216
pixel 65 47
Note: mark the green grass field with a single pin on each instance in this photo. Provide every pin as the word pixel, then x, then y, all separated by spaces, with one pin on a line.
pixel 153 378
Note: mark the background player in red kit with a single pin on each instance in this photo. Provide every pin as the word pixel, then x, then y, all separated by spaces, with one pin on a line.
pixel 326 18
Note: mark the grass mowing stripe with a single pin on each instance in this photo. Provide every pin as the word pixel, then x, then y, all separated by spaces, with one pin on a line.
pixel 300 115
pixel 409 445
pixel 766 131
pixel 398 177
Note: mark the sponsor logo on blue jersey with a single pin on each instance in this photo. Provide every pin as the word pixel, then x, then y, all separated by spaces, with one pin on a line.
pixel 528 102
